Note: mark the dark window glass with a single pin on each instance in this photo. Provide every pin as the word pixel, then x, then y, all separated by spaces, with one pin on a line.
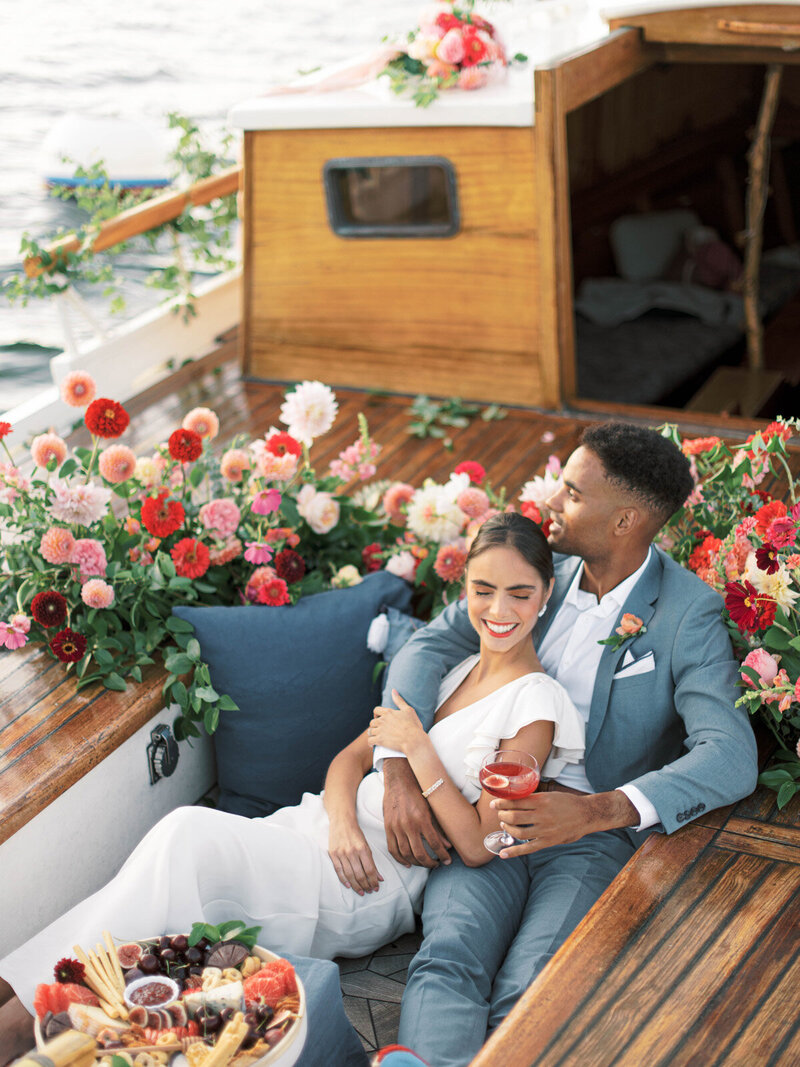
pixel 400 196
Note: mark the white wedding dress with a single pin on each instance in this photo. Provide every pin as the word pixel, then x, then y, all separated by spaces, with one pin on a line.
pixel 275 872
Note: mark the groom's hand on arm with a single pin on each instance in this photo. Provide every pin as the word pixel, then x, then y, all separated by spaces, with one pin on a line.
pixel 409 819
pixel 556 818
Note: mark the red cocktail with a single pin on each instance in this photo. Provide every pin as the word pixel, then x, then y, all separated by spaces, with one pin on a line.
pixel 510 775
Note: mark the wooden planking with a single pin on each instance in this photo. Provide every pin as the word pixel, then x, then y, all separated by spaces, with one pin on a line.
pixel 382 312
pixel 774 26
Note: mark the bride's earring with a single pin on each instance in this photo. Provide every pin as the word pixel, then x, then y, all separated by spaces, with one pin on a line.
pixel 543 609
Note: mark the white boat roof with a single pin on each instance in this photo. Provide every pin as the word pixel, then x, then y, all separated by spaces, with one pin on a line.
pixel 373 104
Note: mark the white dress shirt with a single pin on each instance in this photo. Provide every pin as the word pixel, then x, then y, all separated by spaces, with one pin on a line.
pixel 570 653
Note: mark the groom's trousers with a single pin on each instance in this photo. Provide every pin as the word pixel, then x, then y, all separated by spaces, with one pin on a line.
pixel 488 931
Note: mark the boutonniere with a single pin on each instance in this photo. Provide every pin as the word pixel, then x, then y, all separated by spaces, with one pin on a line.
pixel 630 626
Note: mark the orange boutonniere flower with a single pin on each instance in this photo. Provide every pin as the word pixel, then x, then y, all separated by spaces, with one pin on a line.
pixel 630 626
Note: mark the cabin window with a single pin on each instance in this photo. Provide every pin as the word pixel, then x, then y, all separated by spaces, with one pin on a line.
pixel 392 196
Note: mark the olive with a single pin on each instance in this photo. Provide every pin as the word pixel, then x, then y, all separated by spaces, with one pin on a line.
pixel 148 963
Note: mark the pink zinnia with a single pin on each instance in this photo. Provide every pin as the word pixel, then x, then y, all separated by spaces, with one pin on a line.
pixel 97 594
pixel 233 464
pixel 228 550
pixel 267 501
pixel 203 421
pixel 449 564
pixel 14 633
pixel 90 556
pixel 78 389
pixel 473 502
pixel 57 544
pixel 222 516
pixel 47 447
pixel 257 552
pixel 117 463
pixel 394 500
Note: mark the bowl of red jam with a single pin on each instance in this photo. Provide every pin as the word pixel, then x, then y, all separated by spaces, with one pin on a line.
pixel 151 992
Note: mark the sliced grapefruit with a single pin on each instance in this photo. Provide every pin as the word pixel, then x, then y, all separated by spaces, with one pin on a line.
pixel 267 986
pixel 59 995
pixel 495 781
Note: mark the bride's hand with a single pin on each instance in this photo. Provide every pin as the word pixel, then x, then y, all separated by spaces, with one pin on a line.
pixel 352 859
pixel 398 728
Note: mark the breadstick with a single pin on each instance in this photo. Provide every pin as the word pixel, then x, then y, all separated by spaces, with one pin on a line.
pixel 115 997
pixel 107 968
pixel 112 951
pixel 97 984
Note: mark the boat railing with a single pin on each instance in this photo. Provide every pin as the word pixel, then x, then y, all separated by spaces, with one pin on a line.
pixel 136 220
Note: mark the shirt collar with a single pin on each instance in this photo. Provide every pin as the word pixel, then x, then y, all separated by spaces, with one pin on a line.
pixel 614 598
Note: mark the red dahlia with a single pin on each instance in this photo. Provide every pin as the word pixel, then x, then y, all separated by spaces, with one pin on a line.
pixel 5 429
pixel 274 593
pixel 191 558
pixel 68 645
pixel 281 443
pixel 185 445
pixel 289 565
pixel 372 557
pixel 106 418
pixel 69 970
pixel 49 608
pixel 162 517
pixel 475 471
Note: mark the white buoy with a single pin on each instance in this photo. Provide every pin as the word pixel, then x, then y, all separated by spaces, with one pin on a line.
pixel 133 154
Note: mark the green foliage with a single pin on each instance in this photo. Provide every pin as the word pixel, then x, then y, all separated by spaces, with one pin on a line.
pixel 201 238
pixel 438 418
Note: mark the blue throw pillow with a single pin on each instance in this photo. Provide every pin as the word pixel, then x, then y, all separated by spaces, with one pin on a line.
pixel 302 677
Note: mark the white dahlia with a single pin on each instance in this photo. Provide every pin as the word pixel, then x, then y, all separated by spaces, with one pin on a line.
pixel 309 411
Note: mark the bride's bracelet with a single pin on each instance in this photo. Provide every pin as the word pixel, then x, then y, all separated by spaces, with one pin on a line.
pixel 431 788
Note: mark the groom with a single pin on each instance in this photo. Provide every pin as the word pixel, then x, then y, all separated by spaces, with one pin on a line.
pixel 664 742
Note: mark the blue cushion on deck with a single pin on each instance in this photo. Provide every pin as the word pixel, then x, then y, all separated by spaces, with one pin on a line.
pixel 302 677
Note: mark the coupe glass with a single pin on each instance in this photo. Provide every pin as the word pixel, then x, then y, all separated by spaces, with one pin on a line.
pixel 507 774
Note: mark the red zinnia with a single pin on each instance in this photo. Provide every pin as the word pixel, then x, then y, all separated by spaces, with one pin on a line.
pixel 372 555
pixel 281 443
pixel 5 429
pixel 766 611
pixel 68 645
pixel 531 511
pixel 191 558
pixel 185 445
pixel 49 608
pixel 69 970
pixel 475 49
pixel 162 517
pixel 289 565
pixel 274 593
pixel 475 471
pixel 106 418
pixel 776 509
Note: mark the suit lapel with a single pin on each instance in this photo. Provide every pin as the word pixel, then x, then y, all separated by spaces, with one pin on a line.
pixel 640 602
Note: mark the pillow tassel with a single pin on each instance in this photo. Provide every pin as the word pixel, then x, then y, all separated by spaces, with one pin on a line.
pixel 378 633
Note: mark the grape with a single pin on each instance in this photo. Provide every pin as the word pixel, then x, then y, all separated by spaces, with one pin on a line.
pixel 196 970
pixel 211 1023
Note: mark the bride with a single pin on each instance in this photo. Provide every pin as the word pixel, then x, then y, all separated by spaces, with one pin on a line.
pixel 318 878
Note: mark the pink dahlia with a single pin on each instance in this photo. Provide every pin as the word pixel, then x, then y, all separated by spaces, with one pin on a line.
pixel 222 516
pixel 395 501
pixel 78 389
pixel 473 502
pixel 276 468
pixel 117 463
pixel 81 503
pixel 57 544
pixel 90 556
pixel 233 464
pixel 48 447
pixel 224 552
pixel 202 421
pixel 472 77
pixel 97 594
pixel 449 563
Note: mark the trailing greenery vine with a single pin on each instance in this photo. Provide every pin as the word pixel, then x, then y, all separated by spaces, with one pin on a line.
pixel 201 237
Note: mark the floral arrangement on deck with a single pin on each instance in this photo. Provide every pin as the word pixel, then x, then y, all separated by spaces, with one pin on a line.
pixel 451 48
pixel 745 544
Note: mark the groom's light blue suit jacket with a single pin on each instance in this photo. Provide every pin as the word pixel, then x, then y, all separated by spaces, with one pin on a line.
pixel 673 731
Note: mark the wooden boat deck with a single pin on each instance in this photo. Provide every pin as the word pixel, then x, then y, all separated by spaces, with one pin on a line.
pixel 691 956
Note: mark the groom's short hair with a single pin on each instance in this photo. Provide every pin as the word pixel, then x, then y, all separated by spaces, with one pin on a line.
pixel 645 463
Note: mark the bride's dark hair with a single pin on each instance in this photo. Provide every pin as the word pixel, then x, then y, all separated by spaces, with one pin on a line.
pixel 511 528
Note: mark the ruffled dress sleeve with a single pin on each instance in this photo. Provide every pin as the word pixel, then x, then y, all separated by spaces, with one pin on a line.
pixel 530 699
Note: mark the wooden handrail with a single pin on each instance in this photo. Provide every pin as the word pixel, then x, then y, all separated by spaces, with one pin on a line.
pixel 771 29
pixel 139 219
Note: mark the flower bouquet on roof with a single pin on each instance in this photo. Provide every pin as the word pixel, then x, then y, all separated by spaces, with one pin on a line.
pixel 453 47
pixel 745 544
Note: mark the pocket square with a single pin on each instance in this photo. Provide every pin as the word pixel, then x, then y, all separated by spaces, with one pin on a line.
pixel 632 666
